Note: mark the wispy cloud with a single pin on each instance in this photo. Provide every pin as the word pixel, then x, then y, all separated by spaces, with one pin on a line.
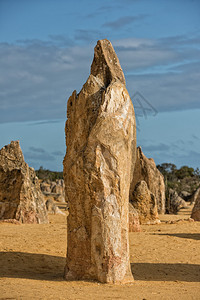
pixel 195 137
pixel 36 123
pixel 123 21
pixel 156 148
pixel 34 156
pixel 61 40
pixel 87 35
pixel 58 153
pixel 37 150
pixel 38 154
pixel 179 152
pixel 38 77
pixel 191 157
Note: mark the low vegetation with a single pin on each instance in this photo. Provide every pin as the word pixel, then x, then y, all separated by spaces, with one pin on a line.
pixel 184 179
pixel 45 174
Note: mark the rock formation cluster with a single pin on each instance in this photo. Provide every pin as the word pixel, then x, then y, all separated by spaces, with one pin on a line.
pixel 145 170
pixel 20 194
pixel 54 190
pixel 98 169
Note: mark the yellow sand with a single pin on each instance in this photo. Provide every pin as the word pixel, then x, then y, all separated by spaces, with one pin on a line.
pixel 165 263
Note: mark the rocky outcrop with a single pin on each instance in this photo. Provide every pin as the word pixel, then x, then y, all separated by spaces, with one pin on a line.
pixel 194 196
pixel 54 189
pixel 98 166
pixel 134 221
pixel 52 208
pixel 20 195
pixel 45 187
pixel 174 203
pixel 196 209
pixel 145 169
pixel 145 203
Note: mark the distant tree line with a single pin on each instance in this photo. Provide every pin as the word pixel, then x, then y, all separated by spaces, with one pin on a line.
pixel 45 174
pixel 185 178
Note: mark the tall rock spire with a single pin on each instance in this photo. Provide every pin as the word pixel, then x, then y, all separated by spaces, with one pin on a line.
pixel 98 166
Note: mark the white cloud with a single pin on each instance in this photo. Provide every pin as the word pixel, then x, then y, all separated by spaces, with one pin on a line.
pixel 132 43
pixel 38 77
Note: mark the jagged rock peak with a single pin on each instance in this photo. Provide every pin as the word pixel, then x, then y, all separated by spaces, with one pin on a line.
pixel 106 64
pixel 11 154
pixel 20 195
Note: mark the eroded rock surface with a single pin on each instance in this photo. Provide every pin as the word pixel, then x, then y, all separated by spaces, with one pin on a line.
pixel 174 202
pixel 20 195
pixel 145 203
pixel 98 166
pixel 52 208
pixel 196 209
pixel 134 221
pixel 194 196
pixel 54 190
pixel 145 169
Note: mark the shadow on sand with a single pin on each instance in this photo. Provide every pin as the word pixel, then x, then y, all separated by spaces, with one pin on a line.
pixel 31 266
pixel 51 268
pixel 192 236
pixel 166 272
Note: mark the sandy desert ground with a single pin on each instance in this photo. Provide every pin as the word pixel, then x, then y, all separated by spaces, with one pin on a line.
pixel 165 261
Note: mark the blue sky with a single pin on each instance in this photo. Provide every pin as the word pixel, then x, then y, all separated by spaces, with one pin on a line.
pixel 46 49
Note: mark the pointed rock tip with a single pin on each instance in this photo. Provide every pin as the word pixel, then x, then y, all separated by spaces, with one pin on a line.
pixel 14 145
pixel 106 64
pixel 12 149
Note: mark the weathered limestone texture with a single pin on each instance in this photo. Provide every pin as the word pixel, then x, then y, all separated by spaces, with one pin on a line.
pixel 98 168
pixel 54 190
pixel 52 208
pixel 20 195
pixel 196 209
pixel 145 203
pixel 194 196
pixel 174 203
pixel 145 169
pixel 134 221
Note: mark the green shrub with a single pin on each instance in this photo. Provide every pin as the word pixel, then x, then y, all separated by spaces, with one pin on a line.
pixel 45 174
